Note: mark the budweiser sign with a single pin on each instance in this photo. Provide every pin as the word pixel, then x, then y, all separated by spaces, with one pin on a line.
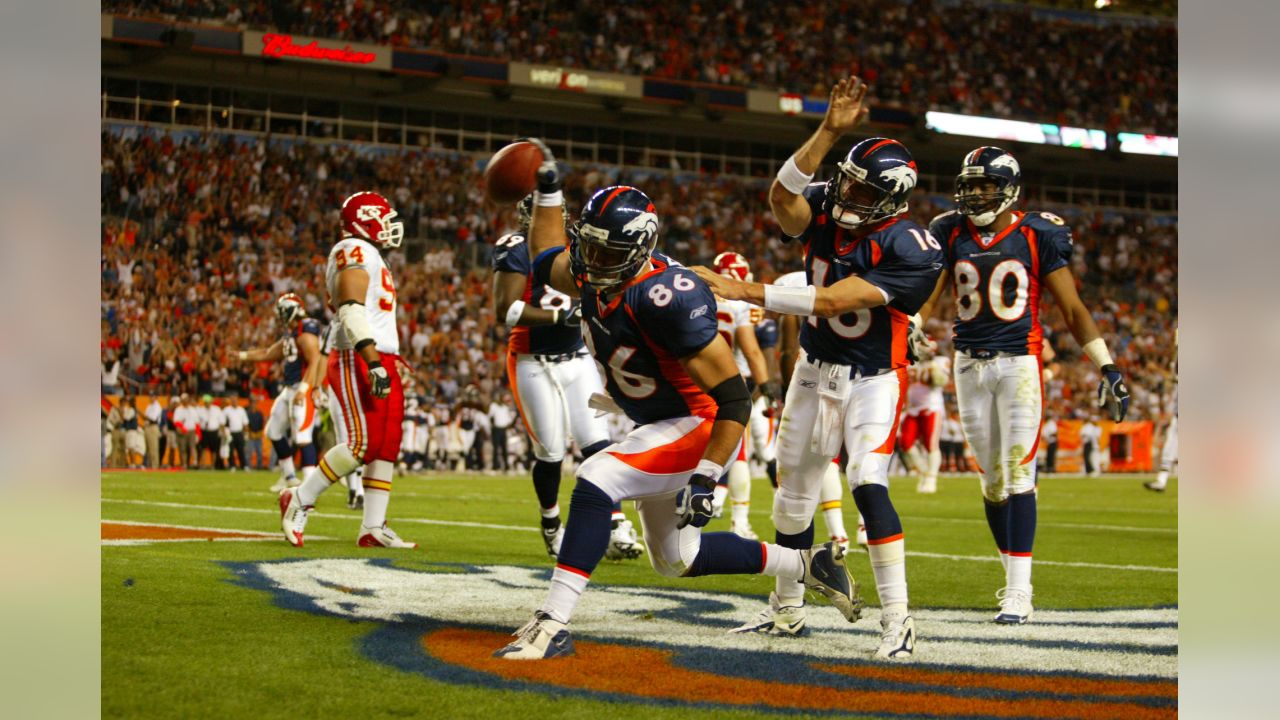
pixel 289 47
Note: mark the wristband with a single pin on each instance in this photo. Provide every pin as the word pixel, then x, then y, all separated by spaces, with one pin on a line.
pixel 243 355
pixel 303 388
pixel 1097 351
pixel 514 312
pixel 709 469
pixel 555 199
pixel 790 301
pixel 791 177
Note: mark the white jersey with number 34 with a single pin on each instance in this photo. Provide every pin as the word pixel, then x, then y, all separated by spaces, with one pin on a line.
pixel 379 299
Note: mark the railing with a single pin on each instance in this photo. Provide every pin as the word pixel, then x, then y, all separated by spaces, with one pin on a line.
pixel 483 142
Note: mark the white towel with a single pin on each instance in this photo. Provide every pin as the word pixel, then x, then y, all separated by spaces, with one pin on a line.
pixel 833 391
pixel 604 405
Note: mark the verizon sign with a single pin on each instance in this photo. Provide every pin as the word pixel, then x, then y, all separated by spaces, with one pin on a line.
pixel 282 46
pixel 583 81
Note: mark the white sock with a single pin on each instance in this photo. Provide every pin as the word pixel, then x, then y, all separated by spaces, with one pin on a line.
pixel 1004 561
pixel 286 468
pixel 309 472
pixel 566 588
pixel 833 518
pixel 1017 572
pixel 738 513
pixel 739 483
pixel 719 494
pixel 311 488
pixel 889 565
pixel 551 512
pixel 375 507
pixel 829 500
pixel 784 564
pixel 614 517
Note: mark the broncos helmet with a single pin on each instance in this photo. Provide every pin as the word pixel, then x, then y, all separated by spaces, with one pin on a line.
pixel 524 212
pixel 732 265
pixel 368 216
pixel 992 164
pixel 289 309
pixel 873 183
pixel 614 237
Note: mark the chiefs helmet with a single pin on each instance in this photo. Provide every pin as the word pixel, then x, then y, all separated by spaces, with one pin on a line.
pixel 873 183
pixel 368 216
pixel 992 166
pixel 289 309
pixel 732 265
pixel 614 237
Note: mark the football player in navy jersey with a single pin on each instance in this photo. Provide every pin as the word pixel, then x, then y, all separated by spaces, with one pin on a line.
pixel 293 413
pixel 552 377
pixel 999 261
pixel 651 325
pixel 869 268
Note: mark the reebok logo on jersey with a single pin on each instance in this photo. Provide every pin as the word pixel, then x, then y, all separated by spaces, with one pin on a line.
pixel 698 312
pixel 984 254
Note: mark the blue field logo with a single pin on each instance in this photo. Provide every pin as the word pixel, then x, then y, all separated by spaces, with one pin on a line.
pixel 670 646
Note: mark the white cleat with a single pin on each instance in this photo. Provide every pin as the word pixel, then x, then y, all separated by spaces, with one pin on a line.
pixel 743 530
pixel 293 517
pixel 383 537
pixel 623 543
pixel 825 572
pixel 927 485
pixel 897 636
pixel 777 619
pixel 1015 606
pixel 283 483
pixel 542 638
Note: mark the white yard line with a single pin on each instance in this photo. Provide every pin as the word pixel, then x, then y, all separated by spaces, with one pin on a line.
pixel 525 528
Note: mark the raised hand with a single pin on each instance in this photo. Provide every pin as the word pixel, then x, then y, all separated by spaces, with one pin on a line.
pixel 848 107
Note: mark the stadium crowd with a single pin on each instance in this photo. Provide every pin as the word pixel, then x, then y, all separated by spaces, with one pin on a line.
pixel 968 57
pixel 201 232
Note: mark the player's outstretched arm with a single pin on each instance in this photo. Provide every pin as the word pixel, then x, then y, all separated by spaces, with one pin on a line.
pixel 546 226
pixel 1113 394
pixel 847 109
pixel 714 371
pixel 274 352
pixel 849 295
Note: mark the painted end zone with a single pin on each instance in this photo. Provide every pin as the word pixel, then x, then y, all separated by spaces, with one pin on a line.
pixel 663 646
pixel 121 532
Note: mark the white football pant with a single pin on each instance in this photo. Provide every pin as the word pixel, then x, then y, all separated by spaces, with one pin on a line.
pixel 297 422
pixel 552 399
pixel 1000 403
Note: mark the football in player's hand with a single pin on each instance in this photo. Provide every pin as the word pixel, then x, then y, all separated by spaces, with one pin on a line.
pixel 510 174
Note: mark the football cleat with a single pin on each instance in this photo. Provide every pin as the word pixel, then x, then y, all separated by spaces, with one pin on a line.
pixel 743 530
pixel 293 517
pixel 777 619
pixel 623 543
pixel 284 483
pixel 1015 606
pixel 355 500
pixel 383 537
pixel 927 485
pixel 552 537
pixel 897 636
pixel 825 572
pixel 1153 486
pixel 542 638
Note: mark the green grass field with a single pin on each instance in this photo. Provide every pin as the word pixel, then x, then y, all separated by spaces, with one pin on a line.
pixel 227 630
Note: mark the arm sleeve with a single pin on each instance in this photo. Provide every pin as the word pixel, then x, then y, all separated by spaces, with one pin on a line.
pixel 1055 250
pixel 688 321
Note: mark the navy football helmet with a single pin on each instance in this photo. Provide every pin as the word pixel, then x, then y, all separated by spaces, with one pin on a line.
pixel 614 237
pixel 873 183
pixel 988 164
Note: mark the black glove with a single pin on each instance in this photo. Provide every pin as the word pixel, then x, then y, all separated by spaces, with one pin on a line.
pixel 548 175
pixel 379 380
pixel 1113 394
pixel 693 503
pixel 569 318
pixel 771 390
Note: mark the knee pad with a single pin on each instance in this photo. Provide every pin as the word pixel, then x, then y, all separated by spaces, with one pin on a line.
pixel 870 469
pixel 792 514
